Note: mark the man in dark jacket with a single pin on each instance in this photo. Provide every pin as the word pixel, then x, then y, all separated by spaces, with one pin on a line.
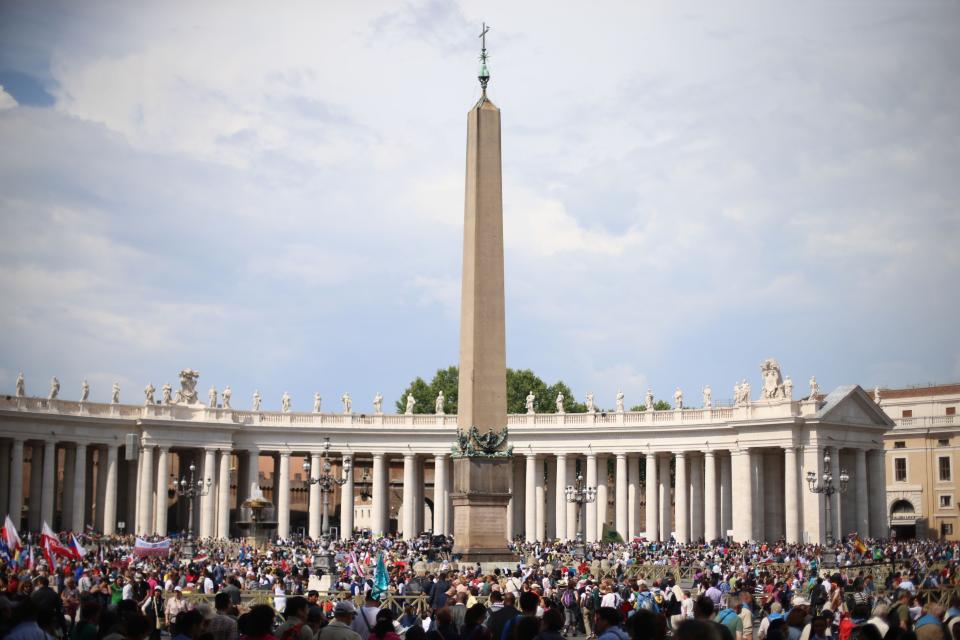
pixel 502 610
pixel 438 595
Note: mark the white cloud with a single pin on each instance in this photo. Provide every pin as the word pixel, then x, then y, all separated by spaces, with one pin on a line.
pixel 6 100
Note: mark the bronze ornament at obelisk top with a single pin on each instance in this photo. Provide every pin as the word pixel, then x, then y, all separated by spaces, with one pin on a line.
pixel 482 458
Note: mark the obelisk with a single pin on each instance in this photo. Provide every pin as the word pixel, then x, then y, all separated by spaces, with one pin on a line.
pixel 482 458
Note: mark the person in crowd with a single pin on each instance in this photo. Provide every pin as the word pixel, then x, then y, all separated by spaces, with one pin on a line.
pixel 607 623
pixel 341 628
pixel 295 625
pixel 384 628
pixel 703 609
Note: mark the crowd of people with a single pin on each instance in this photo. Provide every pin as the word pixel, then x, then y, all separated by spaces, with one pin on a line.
pixel 389 589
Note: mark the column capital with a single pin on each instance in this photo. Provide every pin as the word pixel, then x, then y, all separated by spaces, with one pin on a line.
pixel 680 454
pixel 284 454
pixel 443 454
pixel 621 456
pixel 709 453
pixel 789 448
pixel 562 455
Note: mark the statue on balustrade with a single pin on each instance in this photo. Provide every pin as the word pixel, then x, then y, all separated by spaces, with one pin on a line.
pixel 560 409
pixel 438 405
pixel 285 402
pixel 226 396
pixel 648 402
pixel 378 404
pixel 347 404
pixel 148 392
pixel 814 388
pixel 115 397
pixel 212 397
pixel 84 391
pixel 257 399
pixel 591 408
pixel 316 402
pixel 620 398
pixel 788 388
pixel 54 389
pixel 707 397
pixel 745 391
pixel 678 399
pixel 876 394
pixel 529 403
pixel 772 380
pixel 21 387
pixel 410 402
pixel 167 394
pixel 187 394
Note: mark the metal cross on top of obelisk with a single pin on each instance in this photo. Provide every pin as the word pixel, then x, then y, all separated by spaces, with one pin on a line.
pixel 484 75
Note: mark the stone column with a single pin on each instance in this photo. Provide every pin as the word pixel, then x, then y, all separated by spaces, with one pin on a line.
pixel 439 493
pixel 519 497
pixel 346 504
pixel 15 503
pixel 877 489
pixel 253 466
pixel 633 496
pixel 696 498
pixel 409 478
pixel 316 500
pixel 540 499
pixel 742 490
pixel 573 509
pixel 621 496
pixel 145 518
pixel 726 496
pixel 602 493
pixel 283 497
pixel 512 504
pixel 381 496
pixel 681 495
pixel 711 512
pixel 48 491
pixel 69 468
pixel 530 519
pixel 34 507
pixel 208 503
pixel 110 493
pixel 163 482
pixel 862 495
pixel 791 504
pixel 418 503
pixel 591 518
pixel 5 478
pixel 838 532
pixel 759 506
pixel 652 495
pixel 101 486
pixel 666 505
pixel 79 488
pixel 561 498
pixel 549 491
pixel 223 496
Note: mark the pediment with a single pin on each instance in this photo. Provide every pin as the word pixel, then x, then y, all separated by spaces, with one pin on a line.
pixel 850 404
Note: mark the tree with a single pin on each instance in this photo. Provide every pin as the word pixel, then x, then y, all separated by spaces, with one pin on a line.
pixel 422 393
pixel 659 405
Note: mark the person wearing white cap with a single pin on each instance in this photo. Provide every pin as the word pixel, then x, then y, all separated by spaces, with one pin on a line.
pixel 174 607
pixel 343 614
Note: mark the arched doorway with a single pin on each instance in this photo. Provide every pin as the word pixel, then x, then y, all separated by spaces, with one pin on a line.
pixel 903 519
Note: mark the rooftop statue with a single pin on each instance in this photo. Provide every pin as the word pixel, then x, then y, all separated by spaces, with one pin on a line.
pixel 620 398
pixel 347 403
pixel 115 397
pixel 707 397
pixel 21 387
pixel 148 394
pixel 591 408
pixel 788 388
pixel 678 399
pixel 772 380
pixel 167 394
pixel 54 389
pixel 226 396
pixel 378 404
pixel 560 409
pixel 529 403
pixel 648 402
pixel 316 402
pixel 438 405
pixel 84 391
pixel 188 387
pixel 285 402
pixel 814 388
pixel 212 397
pixel 410 402
pixel 257 399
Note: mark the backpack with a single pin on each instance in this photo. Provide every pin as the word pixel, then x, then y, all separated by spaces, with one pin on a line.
pixel 568 599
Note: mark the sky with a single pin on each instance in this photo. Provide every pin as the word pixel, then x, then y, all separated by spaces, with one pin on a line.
pixel 272 193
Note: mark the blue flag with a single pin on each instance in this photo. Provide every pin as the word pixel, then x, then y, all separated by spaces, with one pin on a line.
pixel 381 580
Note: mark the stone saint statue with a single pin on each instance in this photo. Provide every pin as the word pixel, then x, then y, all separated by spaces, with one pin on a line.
pixel 678 399
pixel 316 402
pixel 745 390
pixel 148 392
pixel 772 380
pixel 257 399
pixel 347 403
pixel 814 388
pixel 648 403
pixel 84 391
pixel 21 387
pixel 378 404
pixel 591 408
pixel 620 398
pixel 438 404
pixel 788 388
pixel 560 403
pixel 167 394
pixel 410 402
pixel 529 403
pixel 55 389
pixel 876 394
pixel 226 396
pixel 285 402
pixel 115 396
pixel 707 397
pixel 212 398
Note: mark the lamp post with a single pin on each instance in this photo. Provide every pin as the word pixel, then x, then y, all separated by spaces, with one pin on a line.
pixel 826 486
pixel 190 491
pixel 326 480
pixel 580 494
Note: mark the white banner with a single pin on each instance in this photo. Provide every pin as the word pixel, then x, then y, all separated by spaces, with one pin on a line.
pixel 144 548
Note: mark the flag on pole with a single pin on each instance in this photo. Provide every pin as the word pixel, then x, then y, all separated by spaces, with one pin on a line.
pixel 381 581
pixel 78 549
pixel 50 544
pixel 10 536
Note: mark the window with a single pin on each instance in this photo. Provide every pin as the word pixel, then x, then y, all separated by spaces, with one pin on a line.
pixel 946 501
pixel 900 469
pixel 899 444
pixel 907 413
pixel 944 465
pixel 951 411
pixel 946 529
pixel 943 442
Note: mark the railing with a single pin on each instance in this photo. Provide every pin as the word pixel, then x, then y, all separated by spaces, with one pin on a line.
pixel 928 421
pixel 250 598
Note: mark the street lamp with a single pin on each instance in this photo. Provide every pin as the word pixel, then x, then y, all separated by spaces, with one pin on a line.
pixel 190 491
pixel 827 488
pixel 326 480
pixel 580 494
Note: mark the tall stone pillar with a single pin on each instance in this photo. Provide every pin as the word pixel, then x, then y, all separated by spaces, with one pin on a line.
pixel 409 479
pixel 146 490
pixel 163 482
pixel 603 497
pixel 101 486
pixel 381 496
pixel 591 519
pixel 838 531
pixel 681 495
pixel 559 492
pixel 549 490
pixel 110 492
pixel 208 503
pixel 696 498
pixel 69 468
pixel 573 508
pixel 540 499
pixel 877 490
pixel 346 503
pixel 726 496
pixel 742 495
pixel 5 476
pixel 79 484
pixel 439 492
pixel 791 504
pixel 711 510
pixel 652 494
pixel 633 496
pixel 253 466
pixel 530 489
pixel 35 507
pixel 283 497
pixel 666 503
pixel 48 491
pixel 223 496
pixel 756 483
pixel 621 496
pixel 315 528
pixel 862 496
pixel 15 503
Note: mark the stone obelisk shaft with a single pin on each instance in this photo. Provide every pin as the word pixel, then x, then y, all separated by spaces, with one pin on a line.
pixel 482 397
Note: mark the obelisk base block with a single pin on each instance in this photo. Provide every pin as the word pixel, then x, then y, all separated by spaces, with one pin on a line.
pixel 481 492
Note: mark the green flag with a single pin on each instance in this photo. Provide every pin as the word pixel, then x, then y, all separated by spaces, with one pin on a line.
pixel 381 581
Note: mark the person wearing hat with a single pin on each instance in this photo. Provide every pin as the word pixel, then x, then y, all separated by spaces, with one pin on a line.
pixel 174 607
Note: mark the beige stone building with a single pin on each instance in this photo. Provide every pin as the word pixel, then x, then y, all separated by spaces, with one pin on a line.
pixel 922 458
